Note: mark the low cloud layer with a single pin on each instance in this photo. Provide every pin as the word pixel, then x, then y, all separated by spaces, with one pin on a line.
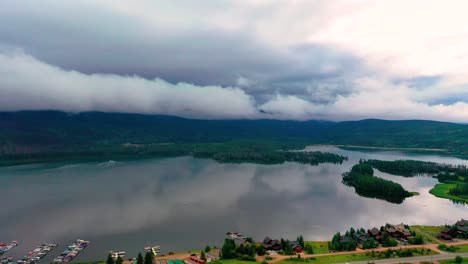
pixel 337 60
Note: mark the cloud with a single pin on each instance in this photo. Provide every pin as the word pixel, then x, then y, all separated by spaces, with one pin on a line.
pixel 334 59
pixel 26 83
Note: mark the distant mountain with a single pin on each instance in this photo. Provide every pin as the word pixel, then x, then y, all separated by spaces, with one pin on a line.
pixel 45 131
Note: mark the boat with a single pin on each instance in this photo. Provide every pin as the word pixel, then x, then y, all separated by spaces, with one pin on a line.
pixel 154 250
pixel 115 255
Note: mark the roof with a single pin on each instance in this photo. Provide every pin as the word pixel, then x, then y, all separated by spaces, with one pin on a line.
pixel 462 222
pixel 374 231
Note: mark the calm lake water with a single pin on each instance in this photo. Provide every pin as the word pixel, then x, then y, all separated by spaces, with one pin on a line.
pixel 185 203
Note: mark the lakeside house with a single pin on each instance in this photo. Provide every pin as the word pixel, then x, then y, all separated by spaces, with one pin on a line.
pixel 271 244
pixel 459 229
pixel 399 232
pixel 296 246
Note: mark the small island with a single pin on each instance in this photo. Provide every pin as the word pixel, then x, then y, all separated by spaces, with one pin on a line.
pixel 362 178
pixel 453 178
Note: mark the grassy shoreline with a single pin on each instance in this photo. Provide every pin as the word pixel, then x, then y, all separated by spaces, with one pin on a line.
pixel 441 190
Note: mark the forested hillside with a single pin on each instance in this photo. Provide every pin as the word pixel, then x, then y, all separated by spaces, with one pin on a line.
pixel 49 133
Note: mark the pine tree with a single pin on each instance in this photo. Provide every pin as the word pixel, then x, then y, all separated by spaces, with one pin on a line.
pixel 148 258
pixel 202 255
pixel 139 259
pixel 110 260
pixel 119 260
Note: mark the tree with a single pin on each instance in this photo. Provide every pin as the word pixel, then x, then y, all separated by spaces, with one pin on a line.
pixel 119 260
pixel 228 251
pixel 110 260
pixel 309 249
pixel 458 259
pixel 202 255
pixel 148 258
pixel 300 240
pixel 261 251
pixel 207 249
pixel 139 258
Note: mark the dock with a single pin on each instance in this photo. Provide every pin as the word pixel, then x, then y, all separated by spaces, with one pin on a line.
pixel 38 253
pixel 5 247
pixel 71 252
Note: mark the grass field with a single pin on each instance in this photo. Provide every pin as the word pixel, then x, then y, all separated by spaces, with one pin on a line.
pixel 441 190
pixel 428 232
pixel 460 249
pixel 342 258
pixel 451 261
pixel 232 261
pixel 319 247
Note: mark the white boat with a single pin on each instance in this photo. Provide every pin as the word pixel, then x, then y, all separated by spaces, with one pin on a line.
pixel 115 255
pixel 155 250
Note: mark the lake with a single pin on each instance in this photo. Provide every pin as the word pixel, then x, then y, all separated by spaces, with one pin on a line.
pixel 185 203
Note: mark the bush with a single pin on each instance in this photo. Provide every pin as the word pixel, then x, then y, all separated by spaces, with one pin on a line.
pixel 458 259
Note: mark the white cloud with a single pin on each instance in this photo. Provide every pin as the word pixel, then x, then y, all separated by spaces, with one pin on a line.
pixel 26 83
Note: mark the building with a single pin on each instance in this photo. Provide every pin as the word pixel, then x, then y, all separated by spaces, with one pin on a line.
pixel 271 244
pixel 297 247
pixel 375 233
pixel 447 234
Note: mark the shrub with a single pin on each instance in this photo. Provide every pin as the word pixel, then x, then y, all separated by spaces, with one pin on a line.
pixel 458 259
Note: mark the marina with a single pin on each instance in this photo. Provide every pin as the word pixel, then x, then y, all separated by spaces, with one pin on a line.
pixel 5 247
pixel 72 251
pixel 6 260
pixel 37 254
pixel 154 250
pixel 115 255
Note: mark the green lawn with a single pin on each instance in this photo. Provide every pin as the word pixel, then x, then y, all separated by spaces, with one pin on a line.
pixel 343 258
pixel 428 232
pixel 441 190
pixel 319 247
pixel 451 261
pixel 232 261
pixel 460 249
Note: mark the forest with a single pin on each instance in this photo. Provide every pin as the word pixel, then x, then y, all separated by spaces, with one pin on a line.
pixel 410 168
pixel 445 173
pixel 362 178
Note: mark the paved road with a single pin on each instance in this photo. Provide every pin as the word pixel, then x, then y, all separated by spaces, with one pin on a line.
pixel 415 259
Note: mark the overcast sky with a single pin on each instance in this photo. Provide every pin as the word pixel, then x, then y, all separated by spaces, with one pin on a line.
pixel 330 59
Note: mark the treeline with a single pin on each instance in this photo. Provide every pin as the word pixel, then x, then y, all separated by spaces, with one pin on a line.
pixel 273 157
pixel 362 178
pixel 410 168
pixel 245 251
pixel 461 189
pixel 263 152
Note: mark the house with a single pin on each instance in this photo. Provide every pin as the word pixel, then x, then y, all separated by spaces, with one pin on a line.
pixel 399 232
pixel 462 222
pixel 296 247
pixel 447 233
pixel 375 233
pixel 271 244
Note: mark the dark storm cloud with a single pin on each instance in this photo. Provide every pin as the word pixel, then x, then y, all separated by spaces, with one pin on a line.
pixel 97 40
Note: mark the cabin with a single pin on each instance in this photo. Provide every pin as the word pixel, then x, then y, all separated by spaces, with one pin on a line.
pixel 399 232
pixel 375 233
pixel 297 247
pixel 447 234
pixel 271 244
pixel 462 222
